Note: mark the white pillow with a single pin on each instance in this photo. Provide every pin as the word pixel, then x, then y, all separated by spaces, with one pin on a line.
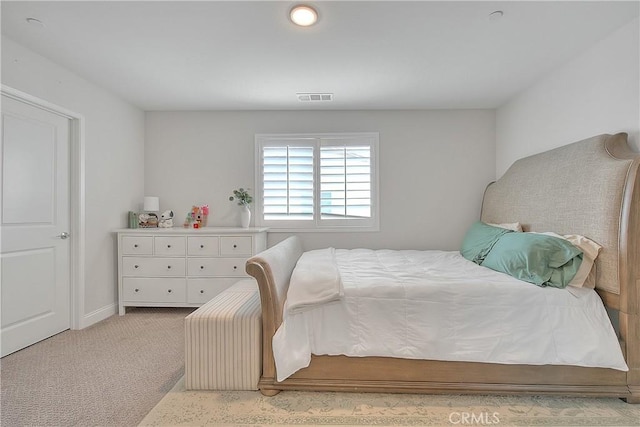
pixel 586 275
pixel 515 226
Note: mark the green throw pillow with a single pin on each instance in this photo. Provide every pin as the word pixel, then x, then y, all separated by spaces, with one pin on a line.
pixel 479 240
pixel 535 258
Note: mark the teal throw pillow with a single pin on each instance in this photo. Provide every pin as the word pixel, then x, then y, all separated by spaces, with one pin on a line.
pixel 535 258
pixel 479 240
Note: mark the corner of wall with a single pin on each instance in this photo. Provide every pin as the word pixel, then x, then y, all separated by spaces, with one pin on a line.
pixel 596 92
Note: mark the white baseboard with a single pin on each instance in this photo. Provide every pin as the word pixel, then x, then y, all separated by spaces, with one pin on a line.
pixel 98 315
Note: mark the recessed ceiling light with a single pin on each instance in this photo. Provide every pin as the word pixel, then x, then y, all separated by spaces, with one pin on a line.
pixel 494 16
pixel 303 15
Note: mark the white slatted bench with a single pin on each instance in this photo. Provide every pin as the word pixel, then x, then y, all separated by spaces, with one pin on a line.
pixel 223 341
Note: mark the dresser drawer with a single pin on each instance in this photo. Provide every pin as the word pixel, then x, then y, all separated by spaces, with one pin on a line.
pixel 236 246
pixel 202 245
pixel 137 245
pixel 224 267
pixel 202 290
pixel 165 290
pixel 145 267
pixel 169 245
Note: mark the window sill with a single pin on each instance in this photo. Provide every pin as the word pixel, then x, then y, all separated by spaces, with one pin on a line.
pixel 273 229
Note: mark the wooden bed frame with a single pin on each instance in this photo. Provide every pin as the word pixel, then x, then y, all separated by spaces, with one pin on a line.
pixel 592 188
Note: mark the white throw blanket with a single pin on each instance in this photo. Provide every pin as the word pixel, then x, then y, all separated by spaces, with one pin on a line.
pixel 315 281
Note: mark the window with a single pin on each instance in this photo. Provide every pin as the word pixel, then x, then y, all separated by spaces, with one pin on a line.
pixel 317 182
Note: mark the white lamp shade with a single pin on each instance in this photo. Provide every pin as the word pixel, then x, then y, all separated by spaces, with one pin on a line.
pixel 151 204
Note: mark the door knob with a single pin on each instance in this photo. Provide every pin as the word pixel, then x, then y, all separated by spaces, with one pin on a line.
pixel 63 235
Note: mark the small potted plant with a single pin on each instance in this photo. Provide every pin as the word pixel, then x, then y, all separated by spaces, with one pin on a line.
pixel 244 199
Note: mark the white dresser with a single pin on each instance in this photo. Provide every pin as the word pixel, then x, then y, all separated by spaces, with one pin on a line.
pixel 182 267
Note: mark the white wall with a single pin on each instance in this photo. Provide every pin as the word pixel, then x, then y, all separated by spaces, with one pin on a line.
pixel 434 166
pixel 114 160
pixel 595 93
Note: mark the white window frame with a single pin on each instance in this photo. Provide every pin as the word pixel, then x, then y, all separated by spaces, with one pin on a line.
pixel 317 224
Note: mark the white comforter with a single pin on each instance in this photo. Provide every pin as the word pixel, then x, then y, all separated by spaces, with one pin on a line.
pixel 437 305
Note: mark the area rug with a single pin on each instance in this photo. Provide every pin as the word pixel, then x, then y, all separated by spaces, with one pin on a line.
pixel 246 408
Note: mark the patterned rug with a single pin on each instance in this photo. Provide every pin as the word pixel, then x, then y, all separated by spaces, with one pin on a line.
pixel 246 408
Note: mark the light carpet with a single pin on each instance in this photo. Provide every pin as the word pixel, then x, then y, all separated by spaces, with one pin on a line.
pixel 241 408
pixel 109 374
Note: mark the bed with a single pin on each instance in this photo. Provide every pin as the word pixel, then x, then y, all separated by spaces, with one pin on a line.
pixel 590 188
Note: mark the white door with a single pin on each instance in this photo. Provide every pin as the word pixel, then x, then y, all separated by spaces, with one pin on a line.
pixel 35 287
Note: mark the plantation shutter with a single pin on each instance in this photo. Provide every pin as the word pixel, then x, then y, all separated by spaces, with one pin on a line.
pixel 345 180
pixel 317 182
pixel 288 182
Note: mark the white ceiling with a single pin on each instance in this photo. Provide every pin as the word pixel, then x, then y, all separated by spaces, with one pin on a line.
pixel 238 55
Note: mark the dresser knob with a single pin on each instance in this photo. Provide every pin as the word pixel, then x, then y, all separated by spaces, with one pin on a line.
pixel 168 246
pixel 168 266
pixel 169 291
pixel 135 266
pixel 202 267
pixel 235 267
pixel 201 246
pixel 201 291
pixel 136 290
pixel 235 246
pixel 135 246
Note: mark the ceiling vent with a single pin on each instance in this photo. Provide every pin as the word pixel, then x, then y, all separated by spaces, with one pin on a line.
pixel 314 97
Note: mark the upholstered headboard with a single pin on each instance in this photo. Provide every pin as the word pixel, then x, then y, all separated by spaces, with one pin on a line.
pixel 590 188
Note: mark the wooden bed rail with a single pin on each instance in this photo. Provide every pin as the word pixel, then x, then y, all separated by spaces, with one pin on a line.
pixel 272 270
pixel 629 311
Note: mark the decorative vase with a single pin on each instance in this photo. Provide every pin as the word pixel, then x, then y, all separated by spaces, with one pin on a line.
pixel 245 216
